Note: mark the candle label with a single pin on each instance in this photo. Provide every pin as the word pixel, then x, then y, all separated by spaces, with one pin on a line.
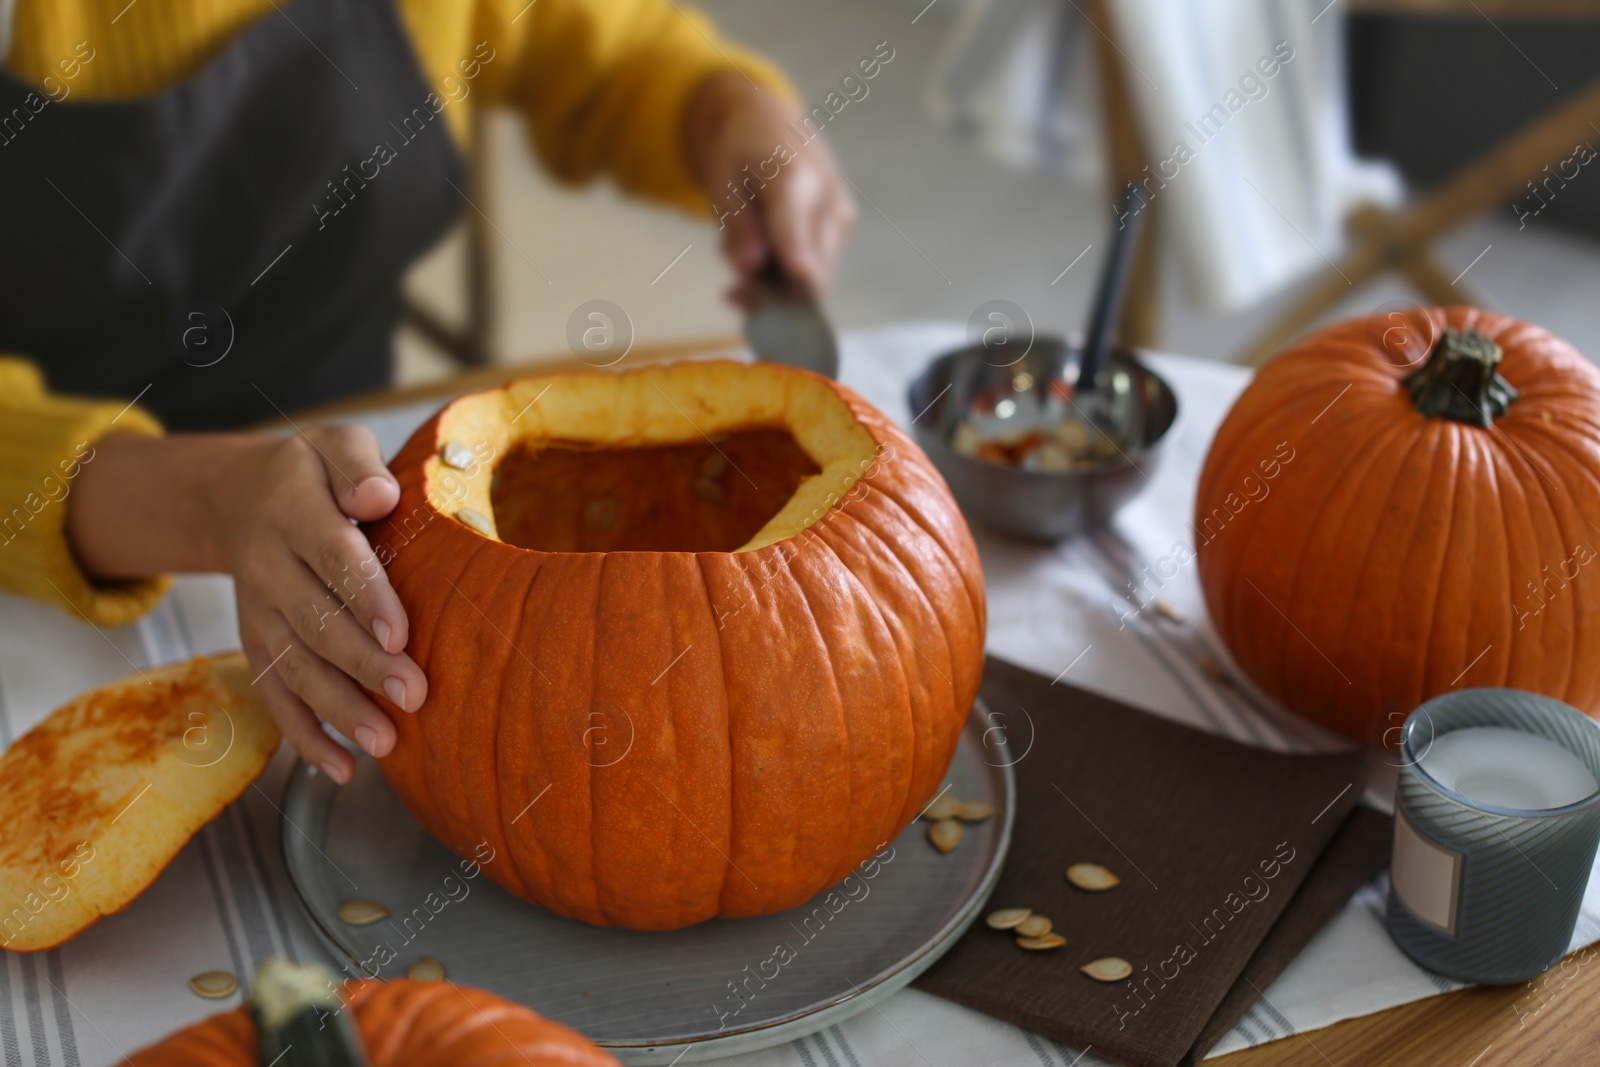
pixel 1426 876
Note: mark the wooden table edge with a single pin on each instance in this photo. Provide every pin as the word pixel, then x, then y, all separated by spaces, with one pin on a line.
pixel 1549 1020
pixel 498 374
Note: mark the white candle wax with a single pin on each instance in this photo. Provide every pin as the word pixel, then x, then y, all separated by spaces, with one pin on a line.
pixel 1508 768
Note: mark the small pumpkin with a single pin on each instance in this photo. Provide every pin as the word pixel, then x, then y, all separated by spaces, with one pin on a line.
pixel 1401 505
pixel 699 638
pixel 400 1024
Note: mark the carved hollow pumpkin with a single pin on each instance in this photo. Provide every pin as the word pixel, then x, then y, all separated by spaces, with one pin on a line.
pixel 699 638
pixel 401 1024
pixel 1401 505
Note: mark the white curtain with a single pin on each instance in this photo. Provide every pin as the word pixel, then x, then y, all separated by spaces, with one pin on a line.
pixel 1242 110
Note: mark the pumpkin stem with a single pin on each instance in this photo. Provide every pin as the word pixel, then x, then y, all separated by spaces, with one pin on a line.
pixel 1459 380
pixel 300 1020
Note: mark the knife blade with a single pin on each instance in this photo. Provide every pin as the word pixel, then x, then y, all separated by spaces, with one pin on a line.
pixel 786 326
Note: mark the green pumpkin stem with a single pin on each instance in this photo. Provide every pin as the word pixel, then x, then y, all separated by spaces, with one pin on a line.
pixel 1459 380
pixel 300 1021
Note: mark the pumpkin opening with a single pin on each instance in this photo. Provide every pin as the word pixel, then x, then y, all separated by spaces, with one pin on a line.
pixel 687 457
pixel 706 496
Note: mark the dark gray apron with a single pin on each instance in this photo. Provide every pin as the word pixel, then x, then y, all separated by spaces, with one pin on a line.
pixel 265 208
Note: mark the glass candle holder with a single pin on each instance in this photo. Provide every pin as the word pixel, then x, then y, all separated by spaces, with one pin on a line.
pixel 1497 816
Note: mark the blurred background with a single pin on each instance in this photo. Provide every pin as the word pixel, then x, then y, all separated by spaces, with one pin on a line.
pixel 1407 151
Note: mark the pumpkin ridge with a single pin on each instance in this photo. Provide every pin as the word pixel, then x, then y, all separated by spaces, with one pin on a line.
pixel 901 447
pixel 681 581
pixel 844 710
pixel 1568 603
pixel 499 822
pixel 1525 670
pixel 733 779
pixel 1416 462
pixel 1486 453
pixel 1587 480
pixel 471 606
pixel 893 625
pixel 1362 459
pixel 916 518
pixel 1271 662
pixel 420 727
pixel 1466 507
pixel 600 891
pixel 1363 575
pixel 1446 439
pixel 820 643
pixel 514 650
pixel 893 548
pixel 424 1004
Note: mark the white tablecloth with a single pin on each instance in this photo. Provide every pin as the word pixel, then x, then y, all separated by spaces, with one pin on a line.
pixel 224 902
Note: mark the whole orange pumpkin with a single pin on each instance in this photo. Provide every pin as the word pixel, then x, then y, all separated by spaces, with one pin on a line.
pixel 699 638
pixel 1400 505
pixel 402 1024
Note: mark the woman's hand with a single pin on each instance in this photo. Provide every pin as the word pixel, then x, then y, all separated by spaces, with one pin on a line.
pixel 317 616
pixel 786 194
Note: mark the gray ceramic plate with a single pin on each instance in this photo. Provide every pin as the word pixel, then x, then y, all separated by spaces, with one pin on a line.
pixel 649 998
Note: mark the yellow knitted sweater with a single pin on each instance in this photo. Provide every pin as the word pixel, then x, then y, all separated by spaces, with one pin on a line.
pixel 602 85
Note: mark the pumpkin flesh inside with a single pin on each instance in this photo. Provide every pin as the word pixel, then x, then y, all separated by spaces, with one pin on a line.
pixel 705 496
pixel 635 462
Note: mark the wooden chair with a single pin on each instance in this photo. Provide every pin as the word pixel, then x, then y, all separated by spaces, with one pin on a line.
pixel 1140 324
pixel 1402 240
pixel 470 345
pixel 1379 240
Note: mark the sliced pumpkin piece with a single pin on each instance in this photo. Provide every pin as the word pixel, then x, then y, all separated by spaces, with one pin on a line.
pixel 98 798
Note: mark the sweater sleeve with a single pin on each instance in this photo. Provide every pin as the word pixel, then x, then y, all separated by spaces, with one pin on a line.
pixel 603 85
pixel 45 441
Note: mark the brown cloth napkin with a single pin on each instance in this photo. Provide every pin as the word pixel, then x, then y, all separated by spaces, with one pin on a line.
pixel 1211 839
pixel 1357 852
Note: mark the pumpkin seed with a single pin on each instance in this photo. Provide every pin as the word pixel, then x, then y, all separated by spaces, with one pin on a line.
pixel 945 834
pixel 710 491
pixel 944 806
pixel 456 454
pixel 1035 926
pixel 1092 876
pixel 426 969
pixel 1036 944
pixel 359 912
pixel 1214 669
pixel 713 467
pixel 1169 611
pixel 974 810
pixel 214 985
pixel 1006 918
pixel 1109 969
pixel 475 520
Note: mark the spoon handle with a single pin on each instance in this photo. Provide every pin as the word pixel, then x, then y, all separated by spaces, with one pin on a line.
pixel 1112 288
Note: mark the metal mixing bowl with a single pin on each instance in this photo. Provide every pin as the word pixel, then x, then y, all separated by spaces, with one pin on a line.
pixel 994 396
